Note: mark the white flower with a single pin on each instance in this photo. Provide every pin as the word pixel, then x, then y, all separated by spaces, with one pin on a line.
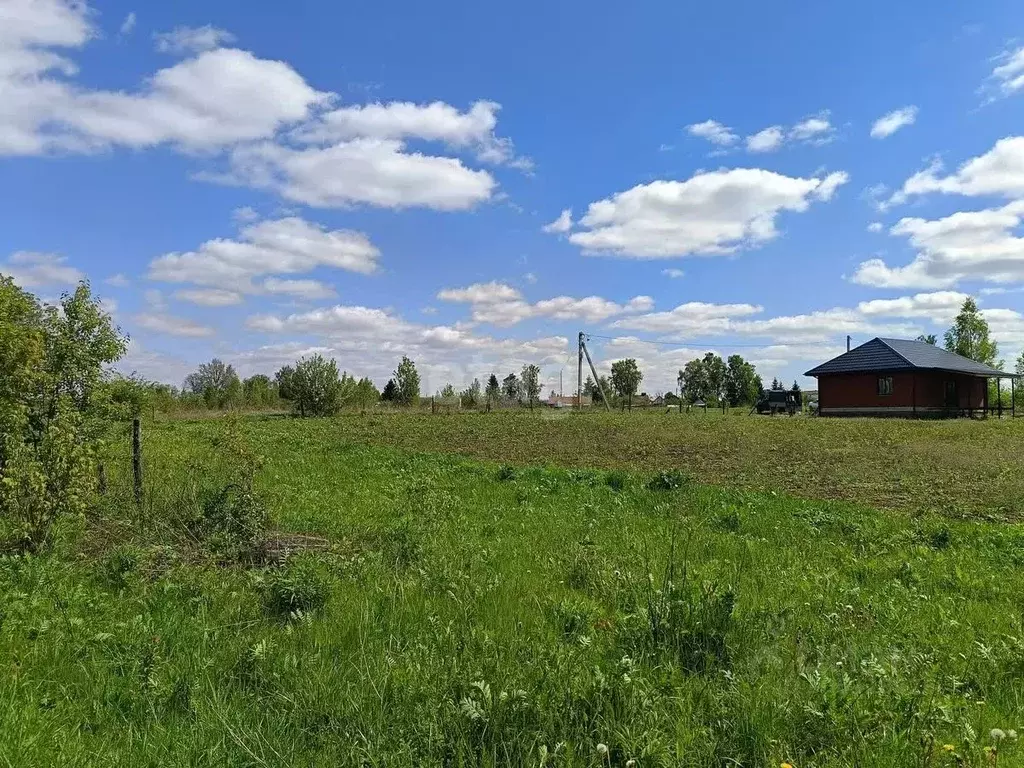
pixel 997 734
pixel 631 763
pixel 602 749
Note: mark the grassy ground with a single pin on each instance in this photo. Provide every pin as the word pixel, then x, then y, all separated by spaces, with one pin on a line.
pixel 470 612
pixel 958 468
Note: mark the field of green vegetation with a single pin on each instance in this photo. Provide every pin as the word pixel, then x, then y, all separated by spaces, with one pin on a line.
pixel 529 589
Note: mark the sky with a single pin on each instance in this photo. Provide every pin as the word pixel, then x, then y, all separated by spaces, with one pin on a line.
pixel 472 185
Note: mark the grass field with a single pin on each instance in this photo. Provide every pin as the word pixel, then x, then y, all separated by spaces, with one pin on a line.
pixel 549 592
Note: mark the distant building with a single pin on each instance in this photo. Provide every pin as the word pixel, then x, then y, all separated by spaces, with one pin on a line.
pixel 898 377
pixel 567 401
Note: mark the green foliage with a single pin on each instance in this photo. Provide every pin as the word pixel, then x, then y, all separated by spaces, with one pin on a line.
pixel 667 480
pixel 472 395
pixel 407 380
pixel 51 419
pixel 968 336
pixel 530 382
pixel 512 389
pixel 216 383
pixel 390 393
pixel 447 391
pixel 259 391
pixel 742 384
pixel 297 590
pixel 626 378
pixel 285 380
pixel 929 338
pixel 316 387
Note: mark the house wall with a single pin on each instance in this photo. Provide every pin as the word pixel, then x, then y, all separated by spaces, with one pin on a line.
pixel 921 392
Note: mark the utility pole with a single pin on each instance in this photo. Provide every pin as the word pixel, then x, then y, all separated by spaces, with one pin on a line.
pixel 593 370
pixel 579 376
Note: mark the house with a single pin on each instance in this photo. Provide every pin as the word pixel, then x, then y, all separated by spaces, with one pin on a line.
pixel 898 377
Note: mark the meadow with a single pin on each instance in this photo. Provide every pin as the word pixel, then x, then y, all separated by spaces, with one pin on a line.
pixel 530 589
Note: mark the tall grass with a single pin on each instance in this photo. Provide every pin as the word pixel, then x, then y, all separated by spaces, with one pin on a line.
pixel 468 613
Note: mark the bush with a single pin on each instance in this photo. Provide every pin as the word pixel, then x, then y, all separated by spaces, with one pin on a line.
pixel 667 480
pixel 297 590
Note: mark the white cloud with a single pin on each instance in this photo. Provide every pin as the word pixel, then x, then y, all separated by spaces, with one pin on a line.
pixel 152 365
pixel 302 289
pixel 888 124
pixel 273 247
pixel 967 245
pixel 817 129
pixel 1008 76
pixel 560 225
pixel 500 304
pixel 33 270
pixel 1000 171
pixel 875 227
pixel 712 213
pixel 119 280
pixel 374 171
pixel 692 318
pixel 184 40
pixel 939 307
pixel 402 120
pixel 210 297
pixel 128 25
pixel 530 278
pixel 713 131
pixel 768 140
pixel 673 274
pixel 158 322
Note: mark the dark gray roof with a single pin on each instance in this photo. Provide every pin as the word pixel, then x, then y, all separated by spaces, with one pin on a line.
pixel 902 354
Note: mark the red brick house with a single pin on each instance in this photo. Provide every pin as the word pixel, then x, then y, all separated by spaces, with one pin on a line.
pixel 898 377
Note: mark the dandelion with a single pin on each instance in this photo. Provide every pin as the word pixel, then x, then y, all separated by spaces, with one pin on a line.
pixel 949 747
pixel 631 763
pixel 997 734
pixel 602 750
pixel 785 765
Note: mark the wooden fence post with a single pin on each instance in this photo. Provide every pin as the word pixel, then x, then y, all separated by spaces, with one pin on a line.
pixel 137 459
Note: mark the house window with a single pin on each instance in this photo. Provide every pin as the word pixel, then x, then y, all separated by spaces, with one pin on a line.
pixel 885 385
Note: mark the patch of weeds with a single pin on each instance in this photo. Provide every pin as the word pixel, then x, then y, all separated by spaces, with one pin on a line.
pixel 401 546
pixel 616 480
pixel 297 590
pixel 233 523
pixel 573 616
pixel 728 521
pixel 938 538
pixel 668 480
pixel 583 573
pixel 505 473
pixel 114 571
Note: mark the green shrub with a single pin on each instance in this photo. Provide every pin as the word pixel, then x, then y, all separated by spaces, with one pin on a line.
pixel 667 480
pixel 296 590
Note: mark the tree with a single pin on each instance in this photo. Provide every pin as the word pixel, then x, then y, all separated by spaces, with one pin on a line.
pixel 716 374
pixel 493 390
pixel 968 336
pixel 364 393
pixel 740 382
pixel 471 395
pixel 626 378
pixel 776 385
pixel 284 379
pixel 795 387
pixel 511 388
pixel 530 377
pixel 317 386
pixel 693 381
pixel 216 383
pixel 390 393
pixel 929 339
pixel 407 379
pixel 258 391
pixel 52 374
pixel 448 390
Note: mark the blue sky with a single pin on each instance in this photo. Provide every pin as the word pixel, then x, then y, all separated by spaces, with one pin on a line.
pixel 472 185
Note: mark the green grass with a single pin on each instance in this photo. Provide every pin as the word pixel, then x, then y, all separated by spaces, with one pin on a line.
pixel 482 611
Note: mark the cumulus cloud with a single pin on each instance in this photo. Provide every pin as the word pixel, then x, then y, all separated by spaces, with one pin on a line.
pixel 713 131
pixel 1000 171
pixel 875 227
pixel 692 318
pixel 673 274
pixel 817 129
pixel 209 297
pixel 711 213
pixel 888 124
pixel 268 248
pixel 502 305
pixel 277 131
pixel 159 322
pixel 35 270
pixel 560 225
pixel 768 140
pixel 403 121
pixel 373 171
pixel 184 40
pixel 967 245
pixel 1007 77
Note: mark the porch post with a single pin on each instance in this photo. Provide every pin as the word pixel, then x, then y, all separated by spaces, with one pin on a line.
pixel 999 394
pixel 1013 398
